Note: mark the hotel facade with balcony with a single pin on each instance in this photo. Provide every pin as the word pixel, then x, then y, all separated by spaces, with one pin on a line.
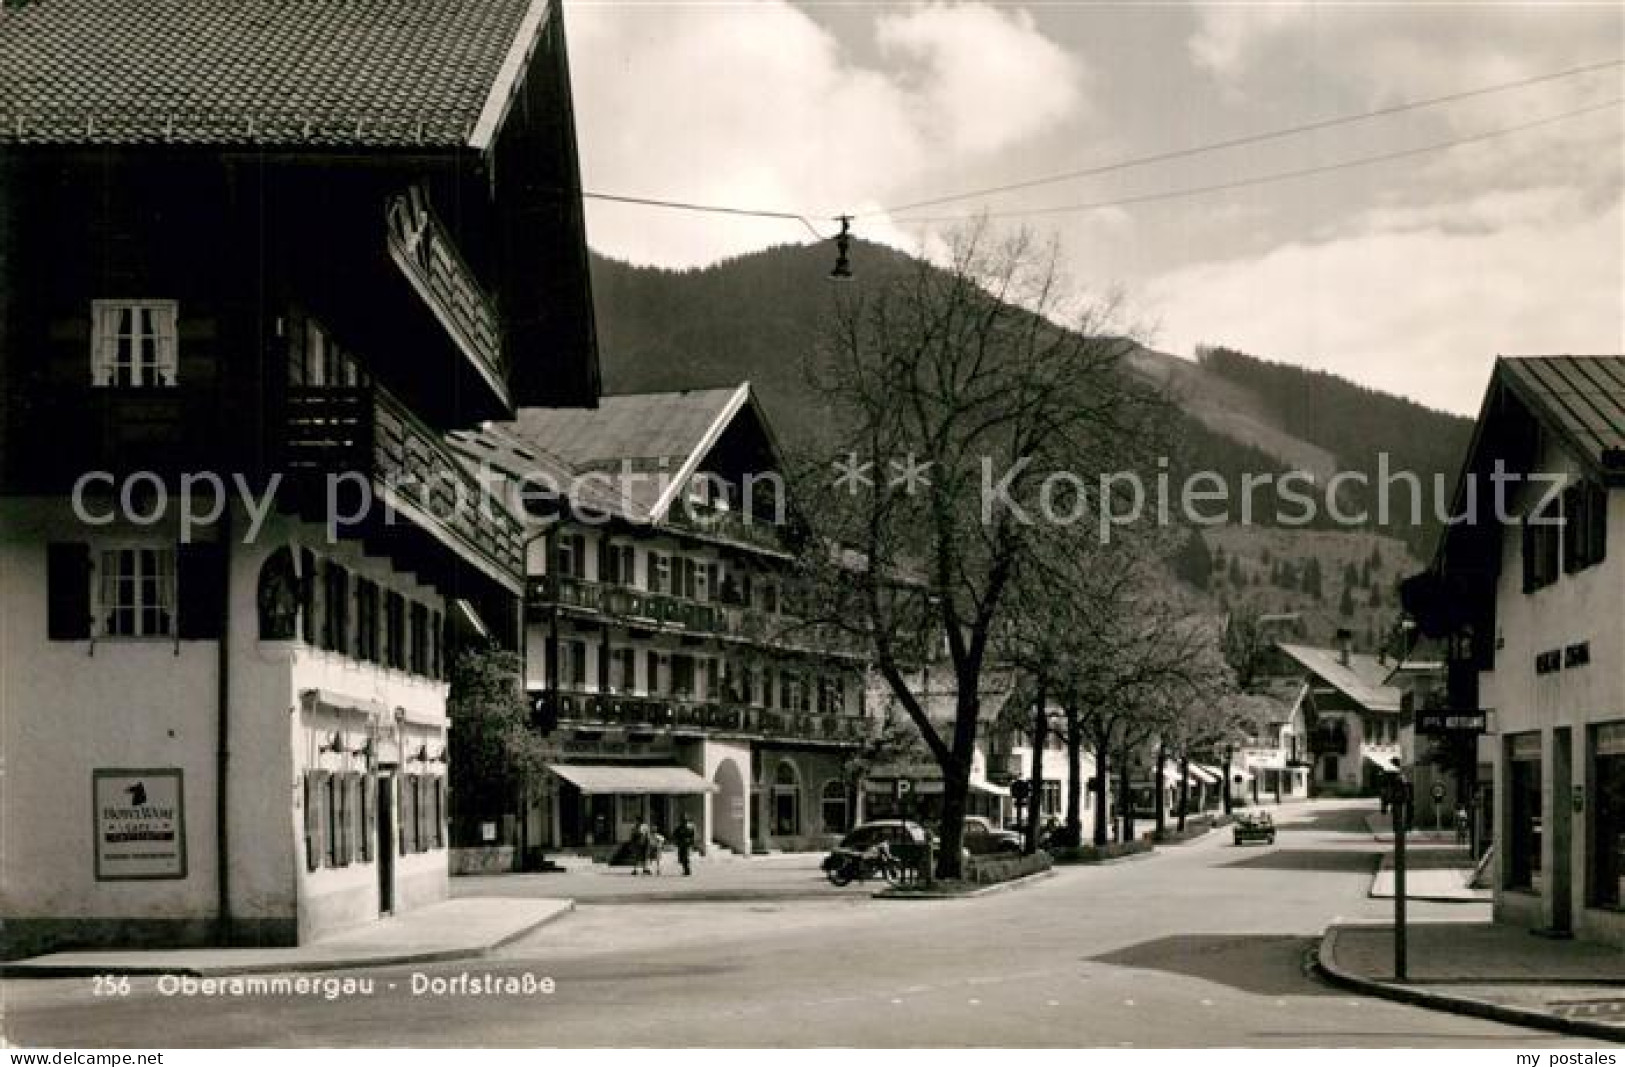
pixel 667 671
pixel 223 719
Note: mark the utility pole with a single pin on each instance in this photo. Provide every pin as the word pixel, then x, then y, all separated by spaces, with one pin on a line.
pixel 1399 802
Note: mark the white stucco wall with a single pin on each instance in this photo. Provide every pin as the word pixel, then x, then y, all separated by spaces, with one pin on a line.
pixel 70 707
pixel 1587 606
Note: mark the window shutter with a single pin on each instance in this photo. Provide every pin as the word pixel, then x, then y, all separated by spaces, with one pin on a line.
pixel 200 590
pixel 440 811
pixel 67 580
pixel 341 820
pixel 1574 530
pixel 424 812
pixel 365 819
pixel 104 343
pixel 164 318
pixel 403 812
pixel 307 595
pixel 332 831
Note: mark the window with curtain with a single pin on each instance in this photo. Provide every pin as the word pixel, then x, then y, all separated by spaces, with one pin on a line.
pixel 137 592
pixel 133 343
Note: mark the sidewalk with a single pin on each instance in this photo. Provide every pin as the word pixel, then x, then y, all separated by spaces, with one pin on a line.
pixel 1438 875
pixel 453 929
pixel 1381 826
pixel 1489 971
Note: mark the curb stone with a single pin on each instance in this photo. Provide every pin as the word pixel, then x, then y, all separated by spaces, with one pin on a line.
pixel 998 887
pixel 1325 964
pixel 231 970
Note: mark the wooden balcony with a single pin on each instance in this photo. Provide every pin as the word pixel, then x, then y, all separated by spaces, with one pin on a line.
pixel 423 249
pixel 414 475
pixel 731 526
pixel 637 608
pixel 585 709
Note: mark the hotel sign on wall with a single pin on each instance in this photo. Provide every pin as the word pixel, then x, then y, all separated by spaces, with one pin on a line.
pixel 140 820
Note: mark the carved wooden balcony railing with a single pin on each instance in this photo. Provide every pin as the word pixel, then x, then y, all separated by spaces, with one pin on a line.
pixel 411 470
pixel 423 249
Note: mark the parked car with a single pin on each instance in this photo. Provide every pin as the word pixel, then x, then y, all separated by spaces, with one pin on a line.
pixel 982 837
pixel 1254 826
pixel 876 848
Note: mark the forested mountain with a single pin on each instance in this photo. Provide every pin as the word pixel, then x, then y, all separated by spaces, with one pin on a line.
pixel 757 317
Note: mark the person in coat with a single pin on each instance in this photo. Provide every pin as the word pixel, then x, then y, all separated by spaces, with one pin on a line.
pixel 683 838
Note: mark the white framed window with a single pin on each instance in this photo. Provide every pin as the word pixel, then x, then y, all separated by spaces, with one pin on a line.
pixel 137 592
pixel 133 343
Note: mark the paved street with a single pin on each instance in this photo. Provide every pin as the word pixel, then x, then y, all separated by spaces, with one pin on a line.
pixel 1200 945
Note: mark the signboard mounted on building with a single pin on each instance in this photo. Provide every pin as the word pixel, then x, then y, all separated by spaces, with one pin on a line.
pixel 140 823
pixel 1441 723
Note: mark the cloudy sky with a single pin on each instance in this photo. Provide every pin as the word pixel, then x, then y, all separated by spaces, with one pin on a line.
pixel 1407 275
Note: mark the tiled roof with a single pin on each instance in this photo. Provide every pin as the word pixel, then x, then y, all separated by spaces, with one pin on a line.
pixel 649 436
pixel 1364 679
pixel 503 454
pixel 295 72
pixel 1581 397
pixel 641 428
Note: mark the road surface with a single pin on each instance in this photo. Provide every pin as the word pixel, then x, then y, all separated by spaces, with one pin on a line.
pixel 1200 945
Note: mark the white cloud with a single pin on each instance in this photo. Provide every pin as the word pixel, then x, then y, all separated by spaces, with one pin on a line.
pixel 1415 308
pixel 758 106
pixel 987 78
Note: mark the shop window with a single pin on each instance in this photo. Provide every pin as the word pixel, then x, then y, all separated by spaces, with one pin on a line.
pixel 1524 826
pixel 836 807
pixel 133 343
pixel 1607 880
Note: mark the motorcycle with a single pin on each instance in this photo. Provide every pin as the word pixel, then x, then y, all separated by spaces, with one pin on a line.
pixel 843 866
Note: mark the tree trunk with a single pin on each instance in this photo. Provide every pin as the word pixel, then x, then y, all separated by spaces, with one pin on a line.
pixel 1100 791
pixel 1035 798
pixel 1162 790
pixel 1074 778
pixel 1228 771
pixel 955 801
pixel 1125 777
pixel 1184 787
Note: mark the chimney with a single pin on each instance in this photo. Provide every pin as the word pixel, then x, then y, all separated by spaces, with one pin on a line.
pixel 1345 645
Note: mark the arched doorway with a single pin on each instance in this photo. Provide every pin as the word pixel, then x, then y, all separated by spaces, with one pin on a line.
pixel 786 800
pixel 728 807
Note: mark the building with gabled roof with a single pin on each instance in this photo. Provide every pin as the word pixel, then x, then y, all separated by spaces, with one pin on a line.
pixel 1530 605
pixel 1352 713
pixel 268 254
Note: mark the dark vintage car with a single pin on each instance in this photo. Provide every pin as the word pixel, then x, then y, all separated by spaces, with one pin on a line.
pixel 1254 826
pixel 859 856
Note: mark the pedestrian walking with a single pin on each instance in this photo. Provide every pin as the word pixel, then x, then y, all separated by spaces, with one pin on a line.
pixel 683 838
pixel 640 848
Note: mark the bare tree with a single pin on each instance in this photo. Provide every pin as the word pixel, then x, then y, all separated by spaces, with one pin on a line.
pixel 973 410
